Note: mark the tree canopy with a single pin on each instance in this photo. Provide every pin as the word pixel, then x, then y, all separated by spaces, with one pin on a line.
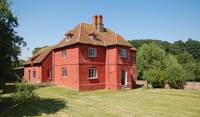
pixel 10 42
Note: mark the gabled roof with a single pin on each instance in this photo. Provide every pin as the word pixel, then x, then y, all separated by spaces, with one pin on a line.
pixel 81 34
pixel 39 56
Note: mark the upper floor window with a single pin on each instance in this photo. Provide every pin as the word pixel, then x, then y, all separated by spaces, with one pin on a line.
pixel 123 53
pixel 64 71
pixel 92 52
pixel 64 53
pixel 92 73
pixel 34 74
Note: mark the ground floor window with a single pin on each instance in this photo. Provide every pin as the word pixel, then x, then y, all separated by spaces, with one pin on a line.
pixel 34 74
pixel 64 71
pixel 48 73
pixel 92 73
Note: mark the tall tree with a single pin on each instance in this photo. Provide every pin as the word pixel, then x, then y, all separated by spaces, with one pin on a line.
pixel 150 56
pixel 10 42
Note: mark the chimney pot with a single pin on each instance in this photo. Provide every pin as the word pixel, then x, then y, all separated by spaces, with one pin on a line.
pixel 98 23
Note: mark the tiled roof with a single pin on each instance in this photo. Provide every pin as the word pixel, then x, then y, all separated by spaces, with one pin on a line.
pixel 39 56
pixel 82 33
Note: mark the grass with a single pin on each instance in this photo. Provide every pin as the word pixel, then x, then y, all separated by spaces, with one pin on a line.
pixel 61 102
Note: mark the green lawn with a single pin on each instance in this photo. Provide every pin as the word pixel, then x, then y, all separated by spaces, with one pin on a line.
pixel 61 102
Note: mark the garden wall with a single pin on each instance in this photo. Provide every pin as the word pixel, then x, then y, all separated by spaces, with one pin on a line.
pixel 192 85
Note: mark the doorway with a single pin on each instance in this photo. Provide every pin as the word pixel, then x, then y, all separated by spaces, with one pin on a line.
pixel 123 77
pixel 29 75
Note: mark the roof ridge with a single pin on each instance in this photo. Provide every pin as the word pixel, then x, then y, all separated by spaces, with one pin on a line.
pixel 79 36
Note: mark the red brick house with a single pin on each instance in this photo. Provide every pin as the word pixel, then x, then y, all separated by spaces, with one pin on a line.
pixel 89 57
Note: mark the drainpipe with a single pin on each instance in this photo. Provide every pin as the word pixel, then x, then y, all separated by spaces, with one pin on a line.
pixel 52 75
pixel 107 67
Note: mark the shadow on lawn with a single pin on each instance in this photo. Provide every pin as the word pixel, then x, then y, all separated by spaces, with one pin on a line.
pixel 36 108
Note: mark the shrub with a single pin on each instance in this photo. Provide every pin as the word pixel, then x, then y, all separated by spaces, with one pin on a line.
pixel 24 92
pixel 156 77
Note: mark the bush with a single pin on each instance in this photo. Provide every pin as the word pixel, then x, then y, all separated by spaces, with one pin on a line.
pixel 155 77
pixel 24 92
pixel 174 73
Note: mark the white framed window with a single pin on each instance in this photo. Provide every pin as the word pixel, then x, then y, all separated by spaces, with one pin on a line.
pixel 92 52
pixel 64 71
pixel 64 53
pixel 34 74
pixel 123 53
pixel 92 73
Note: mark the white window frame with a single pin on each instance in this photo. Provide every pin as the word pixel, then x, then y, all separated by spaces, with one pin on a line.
pixel 123 53
pixel 62 72
pixel 92 52
pixel 92 73
pixel 64 53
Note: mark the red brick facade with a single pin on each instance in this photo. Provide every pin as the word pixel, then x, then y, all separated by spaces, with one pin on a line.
pixel 110 68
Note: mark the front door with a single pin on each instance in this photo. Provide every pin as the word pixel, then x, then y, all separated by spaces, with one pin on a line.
pixel 123 77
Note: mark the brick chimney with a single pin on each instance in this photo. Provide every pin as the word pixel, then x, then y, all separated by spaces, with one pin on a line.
pixel 98 23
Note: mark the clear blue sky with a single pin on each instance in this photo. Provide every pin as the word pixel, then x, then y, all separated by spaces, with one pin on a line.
pixel 43 22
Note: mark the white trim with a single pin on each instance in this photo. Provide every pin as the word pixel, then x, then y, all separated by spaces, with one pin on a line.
pixel 96 73
pixel 126 78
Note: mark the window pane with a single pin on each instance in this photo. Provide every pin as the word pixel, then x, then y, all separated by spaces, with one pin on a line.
pixel 123 53
pixel 63 53
pixel 64 72
pixel 92 73
pixel 92 52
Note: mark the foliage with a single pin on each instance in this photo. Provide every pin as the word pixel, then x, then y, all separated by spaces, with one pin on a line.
pixel 174 73
pixel 156 77
pixel 38 49
pixel 10 42
pixel 24 92
pixel 193 47
pixel 186 53
pixel 20 63
pixel 192 71
pixel 150 56
pixel 184 58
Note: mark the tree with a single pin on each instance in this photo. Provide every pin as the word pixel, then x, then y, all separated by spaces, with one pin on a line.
pixel 150 56
pixel 184 58
pixel 193 47
pixel 174 73
pixel 38 49
pixel 20 63
pixel 10 42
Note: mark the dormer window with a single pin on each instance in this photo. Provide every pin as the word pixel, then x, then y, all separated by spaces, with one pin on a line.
pixel 123 53
pixel 92 36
